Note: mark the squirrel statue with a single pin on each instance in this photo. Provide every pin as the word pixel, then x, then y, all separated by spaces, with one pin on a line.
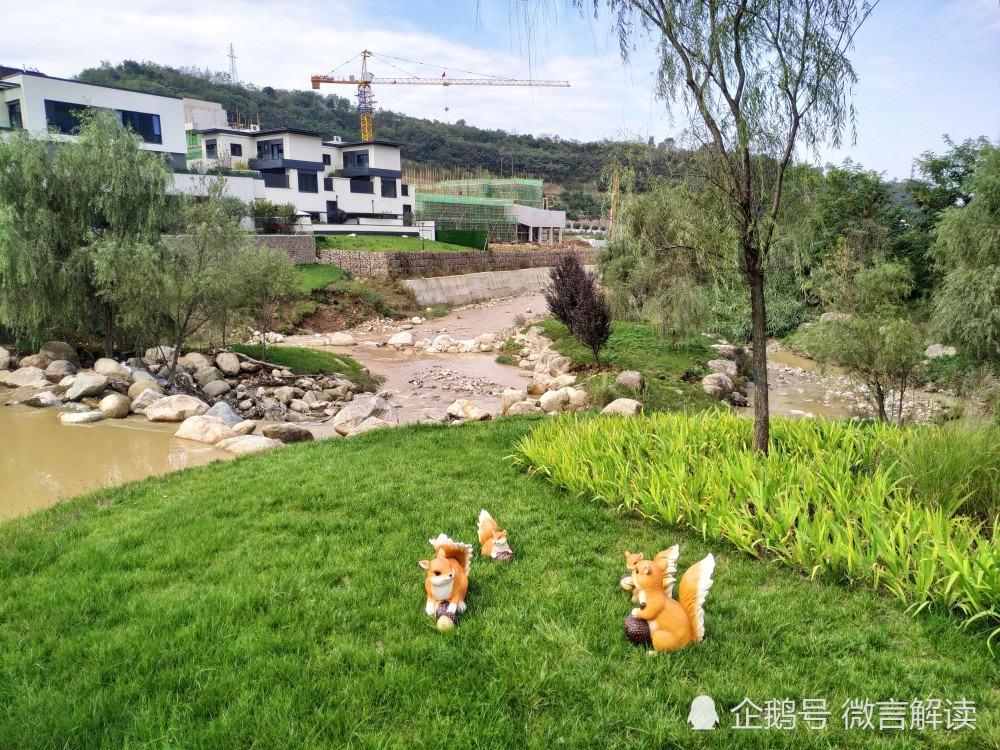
pixel 447 580
pixel 665 560
pixel 492 538
pixel 673 623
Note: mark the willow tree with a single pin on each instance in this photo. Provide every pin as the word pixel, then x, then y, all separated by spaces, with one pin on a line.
pixel 757 80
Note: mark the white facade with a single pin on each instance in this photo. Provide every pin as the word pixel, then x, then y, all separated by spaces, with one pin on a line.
pixel 39 103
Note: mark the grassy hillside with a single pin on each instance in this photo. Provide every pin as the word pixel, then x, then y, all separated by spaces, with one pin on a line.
pixel 276 601
pixel 386 243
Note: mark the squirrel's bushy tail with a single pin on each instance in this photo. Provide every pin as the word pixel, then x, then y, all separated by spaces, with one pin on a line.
pixel 668 561
pixel 486 526
pixel 695 583
pixel 445 546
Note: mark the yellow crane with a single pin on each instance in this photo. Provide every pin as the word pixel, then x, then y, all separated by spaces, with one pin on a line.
pixel 366 99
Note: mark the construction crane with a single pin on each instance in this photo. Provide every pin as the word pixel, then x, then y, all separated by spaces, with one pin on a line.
pixel 366 99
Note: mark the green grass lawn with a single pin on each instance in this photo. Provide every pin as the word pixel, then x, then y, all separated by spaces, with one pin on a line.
pixel 634 346
pixel 276 602
pixel 314 277
pixel 307 361
pixel 386 243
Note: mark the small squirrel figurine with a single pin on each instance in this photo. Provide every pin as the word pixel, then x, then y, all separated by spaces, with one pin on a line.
pixel 673 623
pixel 447 580
pixel 665 560
pixel 492 538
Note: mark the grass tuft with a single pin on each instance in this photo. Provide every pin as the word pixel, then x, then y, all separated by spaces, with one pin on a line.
pixel 306 361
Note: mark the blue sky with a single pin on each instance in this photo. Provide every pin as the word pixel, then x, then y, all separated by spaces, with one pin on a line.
pixel 926 67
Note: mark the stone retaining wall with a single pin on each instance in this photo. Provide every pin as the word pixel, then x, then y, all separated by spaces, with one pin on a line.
pixel 299 247
pixel 384 265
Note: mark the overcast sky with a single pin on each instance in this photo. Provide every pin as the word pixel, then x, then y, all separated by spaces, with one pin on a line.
pixel 926 67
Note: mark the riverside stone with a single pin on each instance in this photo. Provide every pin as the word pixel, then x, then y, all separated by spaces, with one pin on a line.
pixel 466 410
pixel 205 429
pixel 40 361
pixel 401 339
pixel 59 350
pixel 135 390
pixel 228 362
pixel 33 376
pixel 59 369
pixel 287 433
pixel 625 406
pixel 372 423
pixel 561 381
pixel 195 361
pixel 145 399
pixel 631 380
pixel 158 355
pixel 43 399
pixel 509 397
pixel 115 406
pixel 206 375
pixel 245 445
pixel 5 359
pixel 111 369
pixel 140 375
pixel 83 417
pixel 342 339
pixel 246 427
pixel 523 407
pixel 226 413
pixel 217 388
pixel 360 408
pixel 86 384
pixel 725 366
pixel 939 350
pixel 175 409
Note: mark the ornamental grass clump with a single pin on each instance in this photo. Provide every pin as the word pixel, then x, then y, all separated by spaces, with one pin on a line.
pixel 828 500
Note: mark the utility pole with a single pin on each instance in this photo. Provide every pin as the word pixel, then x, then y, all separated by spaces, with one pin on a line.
pixel 234 77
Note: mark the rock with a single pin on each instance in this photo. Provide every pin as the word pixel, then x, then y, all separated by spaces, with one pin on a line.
pixel 717 385
pixel 205 429
pixel 5 359
pixel 228 363
pixel 342 339
pixel 205 375
pixel 175 409
pixel 217 388
pixel 554 401
pixel 59 369
pixel 249 367
pixel 725 366
pixel 362 407
pixel 559 365
pixel 835 317
pixel 939 350
pixel 59 350
pixel 139 376
pixel 86 384
pixel 578 398
pixel 286 393
pixel 401 339
pixel 246 427
pixel 33 376
pixel 468 411
pixel 372 423
pixel 82 417
pixel 510 397
pixel 287 433
pixel 299 406
pixel 145 399
pixel 728 351
pixel 195 361
pixel 25 392
pixel 245 445
pixel 136 389
pixel 631 380
pixel 523 407
pixel 561 381
pixel 625 406
pixel 226 413
pixel 158 355
pixel 443 343
pixel 41 361
pixel 115 406
pixel 111 369
pixel 42 399
pixel 539 384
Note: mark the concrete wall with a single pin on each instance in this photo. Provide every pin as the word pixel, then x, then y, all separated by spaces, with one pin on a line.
pixel 408 265
pixel 473 287
pixel 299 247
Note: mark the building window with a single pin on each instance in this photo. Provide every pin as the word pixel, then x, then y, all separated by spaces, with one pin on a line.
pixel 211 150
pixel 146 126
pixel 314 217
pixel 63 116
pixel 406 189
pixel 355 159
pixel 362 186
pixel 274 149
pixel 326 159
pixel 276 179
pixel 235 149
pixel 388 188
pixel 14 113
pixel 407 208
pixel 308 182
pixel 328 184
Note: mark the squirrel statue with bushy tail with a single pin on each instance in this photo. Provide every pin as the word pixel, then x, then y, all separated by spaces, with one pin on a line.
pixel 492 538
pixel 667 562
pixel 447 580
pixel 673 623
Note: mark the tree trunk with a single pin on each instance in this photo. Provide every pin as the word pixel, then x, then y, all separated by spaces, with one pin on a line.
pixel 109 339
pixel 758 338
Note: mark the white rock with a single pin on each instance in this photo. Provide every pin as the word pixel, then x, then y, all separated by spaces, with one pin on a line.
pixel 467 411
pixel 83 417
pixel 112 369
pixel 631 380
pixel 228 362
pixel 401 339
pixel 217 388
pixel 195 361
pixel 42 400
pixel 725 366
pixel 523 407
pixel 246 427
pixel 115 406
pixel 362 407
pixel 141 402
pixel 245 445
pixel 33 376
pixel 372 423
pixel 158 355
pixel 86 384
pixel 562 381
pixel 625 406
pixel 341 339
pixel 509 397
pixel 205 429
pixel 175 409
pixel 939 350
pixel 578 398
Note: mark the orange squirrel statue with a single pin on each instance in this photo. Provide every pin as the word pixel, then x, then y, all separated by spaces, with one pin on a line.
pixel 673 623
pixel 665 560
pixel 447 580
pixel 492 538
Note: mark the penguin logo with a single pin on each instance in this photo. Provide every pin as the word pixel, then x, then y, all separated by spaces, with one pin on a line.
pixel 703 714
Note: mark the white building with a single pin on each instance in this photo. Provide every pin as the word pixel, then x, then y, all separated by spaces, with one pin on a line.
pixel 40 103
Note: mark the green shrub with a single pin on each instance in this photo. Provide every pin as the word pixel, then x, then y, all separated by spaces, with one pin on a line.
pixel 827 500
pixel 506 359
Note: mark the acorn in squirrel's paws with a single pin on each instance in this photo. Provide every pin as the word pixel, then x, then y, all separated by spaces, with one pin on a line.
pixel 447 580
pixel 493 539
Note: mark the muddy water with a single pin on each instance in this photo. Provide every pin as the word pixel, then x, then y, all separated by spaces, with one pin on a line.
pixel 43 461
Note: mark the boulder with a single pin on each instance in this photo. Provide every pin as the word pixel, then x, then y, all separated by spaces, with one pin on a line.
pixel 205 429
pixel 81 417
pixel 523 407
pixel 835 317
pixel 362 407
pixel 205 375
pixel 25 392
pixel 217 388
pixel 486 340
pixel 41 361
pixel 561 381
pixel 939 350
pixel 86 384
pixel 195 361
pixel 559 365
pixel 112 369
pixel 401 339
pixel 42 399
pixel 286 394
pixel 287 433
pixel 510 397
pixel 228 363
pixel 372 423
pixel 578 398
pixel 140 375
pixel 467 411
pixel 717 385
pixel 59 369
pixel 33 376
pixel 145 399
pixel 136 389
pixel 554 401
pixel 631 380
pixel 246 427
pixel 59 350
pixel 115 406
pixel 342 339
pixel 226 413
pixel 158 355
pixel 539 384
pixel 245 445
pixel 5 359
pixel 249 367
pixel 175 409
pixel 625 406
pixel 725 366
pixel 728 351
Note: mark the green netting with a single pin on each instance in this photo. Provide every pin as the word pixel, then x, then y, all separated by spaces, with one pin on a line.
pixel 193 147
pixel 484 205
